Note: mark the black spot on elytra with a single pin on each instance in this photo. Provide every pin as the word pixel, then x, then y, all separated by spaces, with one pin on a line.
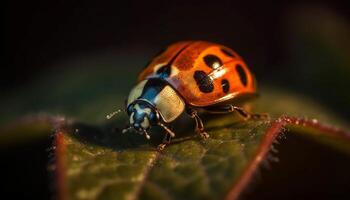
pixel 242 75
pixel 212 60
pixel 227 52
pixel 205 84
pixel 164 71
pixel 225 85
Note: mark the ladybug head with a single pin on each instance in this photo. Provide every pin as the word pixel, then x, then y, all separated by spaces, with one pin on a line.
pixel 142 116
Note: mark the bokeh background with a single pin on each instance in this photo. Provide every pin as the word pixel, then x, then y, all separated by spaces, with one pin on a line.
pixel 302 46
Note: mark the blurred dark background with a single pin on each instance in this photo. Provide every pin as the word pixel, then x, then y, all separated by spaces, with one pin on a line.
pixel 282 42
pixel 301 46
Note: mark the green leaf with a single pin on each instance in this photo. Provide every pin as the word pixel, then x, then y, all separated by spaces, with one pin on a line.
pixel 98 161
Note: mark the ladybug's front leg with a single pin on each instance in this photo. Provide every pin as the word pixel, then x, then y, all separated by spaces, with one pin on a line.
pixel 199 123
pixel 166 141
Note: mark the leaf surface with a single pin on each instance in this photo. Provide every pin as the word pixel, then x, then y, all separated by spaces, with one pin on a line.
pixel 99 162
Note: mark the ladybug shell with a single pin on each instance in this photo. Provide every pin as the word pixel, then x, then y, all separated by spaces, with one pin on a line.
pixel 203 73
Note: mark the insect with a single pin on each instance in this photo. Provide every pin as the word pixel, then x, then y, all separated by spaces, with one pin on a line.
pixel 189 76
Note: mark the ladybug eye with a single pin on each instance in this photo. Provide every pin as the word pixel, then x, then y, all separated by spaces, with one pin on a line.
pixel 153 117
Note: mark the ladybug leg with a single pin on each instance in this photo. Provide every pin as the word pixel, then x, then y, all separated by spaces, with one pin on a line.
pixel 166 141
pixel 231 108
pixel 199 123
pixel 167 138
pixel 246 115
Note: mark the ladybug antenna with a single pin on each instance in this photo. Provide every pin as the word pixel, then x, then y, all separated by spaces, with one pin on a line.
pixel 172 134
pixel 110 115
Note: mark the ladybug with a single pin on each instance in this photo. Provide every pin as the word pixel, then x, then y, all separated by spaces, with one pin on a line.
pixel 189 76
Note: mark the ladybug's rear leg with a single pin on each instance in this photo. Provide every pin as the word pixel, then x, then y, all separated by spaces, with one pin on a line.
pixel 231 108
pixel 246 115
pixel 199 123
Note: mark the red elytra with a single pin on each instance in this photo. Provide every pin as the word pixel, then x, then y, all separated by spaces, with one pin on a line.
pixel 221 73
